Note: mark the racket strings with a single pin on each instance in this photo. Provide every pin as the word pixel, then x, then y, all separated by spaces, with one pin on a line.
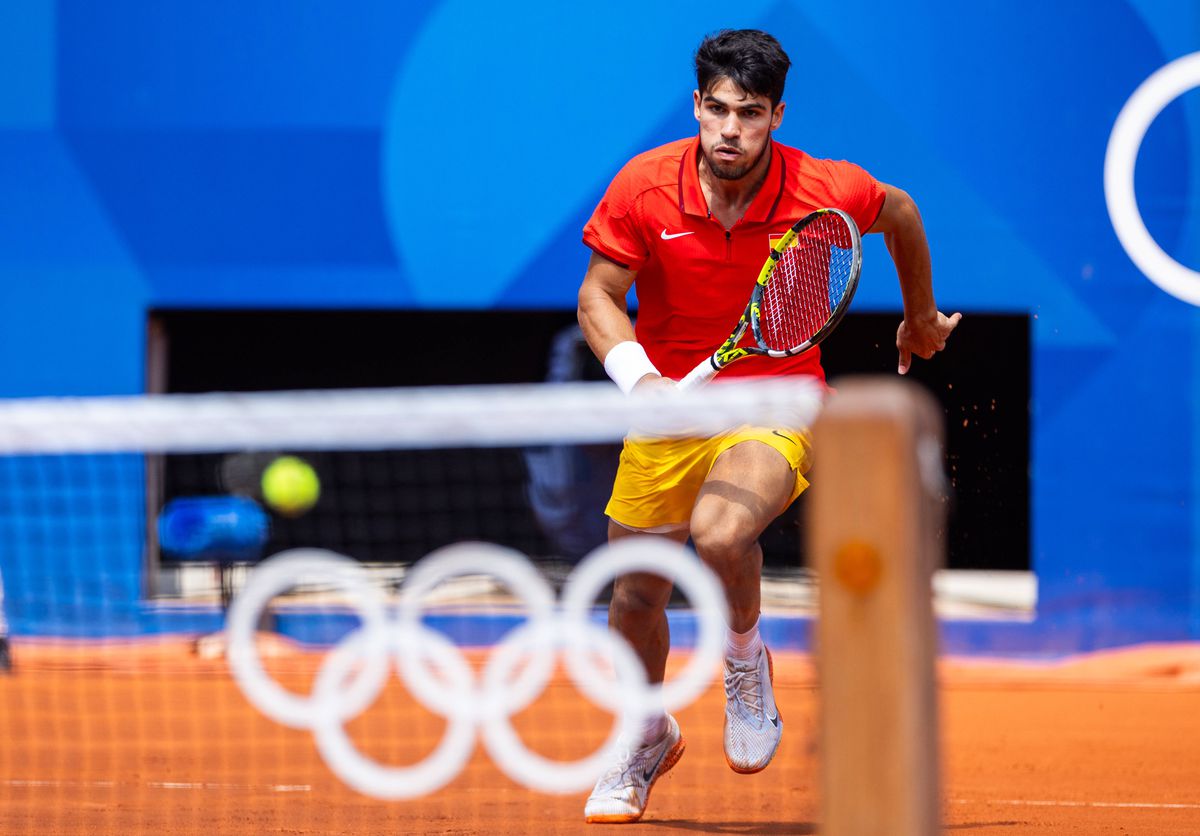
pixel 808 282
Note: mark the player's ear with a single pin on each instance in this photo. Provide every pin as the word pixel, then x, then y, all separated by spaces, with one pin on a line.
pixel 696 104
pixel 777 115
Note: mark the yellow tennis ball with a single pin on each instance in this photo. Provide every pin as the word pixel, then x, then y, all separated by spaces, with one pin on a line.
pixel 290 485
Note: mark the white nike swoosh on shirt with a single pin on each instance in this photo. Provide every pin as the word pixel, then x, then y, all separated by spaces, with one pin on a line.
pixel 667 237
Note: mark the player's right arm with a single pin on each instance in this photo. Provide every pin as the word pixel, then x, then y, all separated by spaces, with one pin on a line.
pixel 606 324
pixel 602 313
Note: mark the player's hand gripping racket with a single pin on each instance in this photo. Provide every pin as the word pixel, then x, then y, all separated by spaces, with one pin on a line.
pixel 801 294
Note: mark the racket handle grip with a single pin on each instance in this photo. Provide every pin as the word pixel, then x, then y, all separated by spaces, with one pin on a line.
pixel 700 375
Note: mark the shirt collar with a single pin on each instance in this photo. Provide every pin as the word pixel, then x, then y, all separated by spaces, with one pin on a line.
pixel 762 208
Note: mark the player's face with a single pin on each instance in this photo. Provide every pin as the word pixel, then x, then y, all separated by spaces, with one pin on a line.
pixel 735 128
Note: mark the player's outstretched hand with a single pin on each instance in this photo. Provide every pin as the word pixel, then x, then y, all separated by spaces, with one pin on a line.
pixel 923 337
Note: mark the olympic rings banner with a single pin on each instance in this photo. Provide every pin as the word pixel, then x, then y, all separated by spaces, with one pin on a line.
pixel 1129 131
pixel 439 677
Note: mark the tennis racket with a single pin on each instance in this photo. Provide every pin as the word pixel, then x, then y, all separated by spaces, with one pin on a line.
pixel 802 292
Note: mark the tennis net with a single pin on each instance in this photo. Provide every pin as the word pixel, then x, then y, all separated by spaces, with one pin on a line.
pixel 350 644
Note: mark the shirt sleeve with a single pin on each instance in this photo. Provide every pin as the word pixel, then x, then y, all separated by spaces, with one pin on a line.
pixel 615 230
pixel 856 192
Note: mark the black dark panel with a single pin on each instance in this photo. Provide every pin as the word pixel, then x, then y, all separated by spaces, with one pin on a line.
pixel 982 381
pixel 397 505
pixel 389 506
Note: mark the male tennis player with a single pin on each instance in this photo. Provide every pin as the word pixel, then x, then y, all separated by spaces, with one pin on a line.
pixel 691 224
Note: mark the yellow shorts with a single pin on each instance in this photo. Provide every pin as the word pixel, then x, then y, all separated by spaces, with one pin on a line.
pixel 658 479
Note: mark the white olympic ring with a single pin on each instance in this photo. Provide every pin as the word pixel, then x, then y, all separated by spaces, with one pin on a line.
pixel 1143 107
pixel 440 678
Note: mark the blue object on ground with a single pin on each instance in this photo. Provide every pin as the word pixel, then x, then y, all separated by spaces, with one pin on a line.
pixel 223 529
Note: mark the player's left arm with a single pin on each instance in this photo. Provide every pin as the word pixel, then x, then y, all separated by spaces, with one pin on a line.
pixel 925 329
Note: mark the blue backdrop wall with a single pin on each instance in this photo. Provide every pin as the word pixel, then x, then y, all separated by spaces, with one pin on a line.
pixel 306 154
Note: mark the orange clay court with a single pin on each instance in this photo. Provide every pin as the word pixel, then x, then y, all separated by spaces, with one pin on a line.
pixel 148 737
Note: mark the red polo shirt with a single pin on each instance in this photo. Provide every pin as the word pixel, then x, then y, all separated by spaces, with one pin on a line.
pixel 694 277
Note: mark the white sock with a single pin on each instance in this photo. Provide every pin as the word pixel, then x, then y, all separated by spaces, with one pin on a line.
pixel 654 728
pixel 744 647
pixel 655 724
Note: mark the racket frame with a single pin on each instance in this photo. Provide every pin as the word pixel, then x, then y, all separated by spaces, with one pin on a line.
pixel 730 351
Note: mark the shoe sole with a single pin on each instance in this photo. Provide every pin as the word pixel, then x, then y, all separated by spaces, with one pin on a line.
pixel 669 760
pixel 743 770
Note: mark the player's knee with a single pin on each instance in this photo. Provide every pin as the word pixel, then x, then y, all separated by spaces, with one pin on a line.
pixel 641 593
pixel 721 542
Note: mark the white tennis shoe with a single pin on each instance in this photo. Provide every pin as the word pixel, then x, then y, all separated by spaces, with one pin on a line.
pixel 622 792
pixel 753 726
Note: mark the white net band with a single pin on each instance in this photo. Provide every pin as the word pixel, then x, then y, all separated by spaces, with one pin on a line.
pixel 466 416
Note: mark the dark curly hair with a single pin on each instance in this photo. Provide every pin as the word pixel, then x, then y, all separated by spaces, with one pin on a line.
pixel 751 59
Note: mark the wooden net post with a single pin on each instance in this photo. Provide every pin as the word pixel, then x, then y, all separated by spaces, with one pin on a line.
pixel 876 525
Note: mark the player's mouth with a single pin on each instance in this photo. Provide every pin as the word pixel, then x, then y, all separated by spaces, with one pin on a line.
pixel 726 153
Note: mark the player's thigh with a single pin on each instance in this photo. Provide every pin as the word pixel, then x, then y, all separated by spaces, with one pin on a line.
pixel 749 485
pixel 657 481
pixel 643 588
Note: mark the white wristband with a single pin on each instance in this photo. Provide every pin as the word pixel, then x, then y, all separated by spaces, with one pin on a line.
pixel 626 363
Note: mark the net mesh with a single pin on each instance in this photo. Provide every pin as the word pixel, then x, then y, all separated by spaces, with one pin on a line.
pixel 131 528
pixel 808 283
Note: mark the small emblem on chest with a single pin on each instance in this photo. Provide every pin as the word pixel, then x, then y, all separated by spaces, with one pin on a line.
pixel 667 236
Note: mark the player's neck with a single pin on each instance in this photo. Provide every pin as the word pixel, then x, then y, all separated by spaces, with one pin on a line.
pixel 728 200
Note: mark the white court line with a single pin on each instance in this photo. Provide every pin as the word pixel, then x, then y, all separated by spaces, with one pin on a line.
pixel 162 785
pixel 1021 802
pixel 185 785
pixel 20 783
